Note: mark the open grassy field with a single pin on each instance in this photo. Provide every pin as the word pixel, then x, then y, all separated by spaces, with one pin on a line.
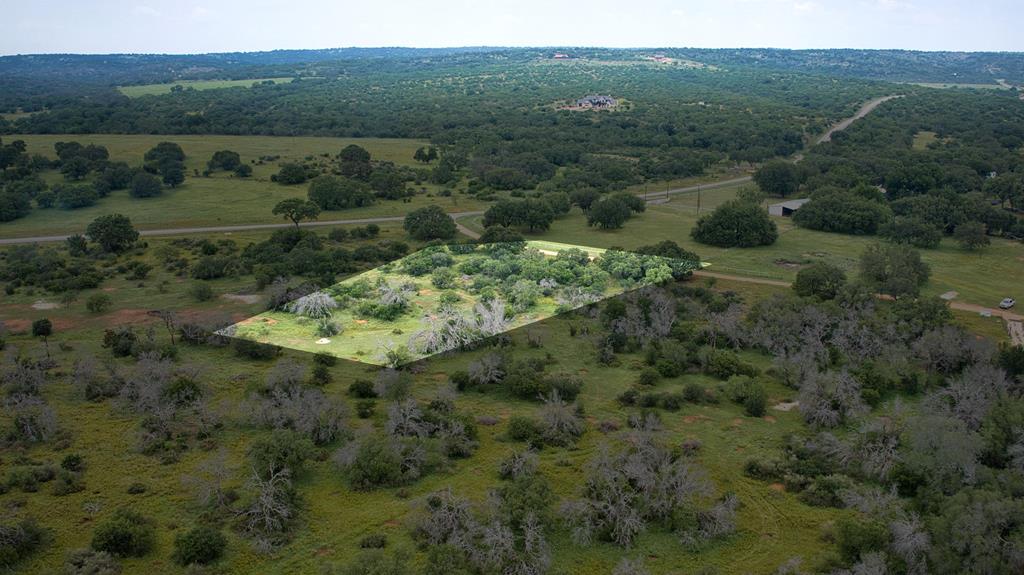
pixel 158 89
pixel 773 525
pixel 220 199
pixel 982 277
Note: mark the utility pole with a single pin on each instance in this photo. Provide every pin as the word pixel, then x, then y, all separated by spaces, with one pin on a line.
pixel 698 199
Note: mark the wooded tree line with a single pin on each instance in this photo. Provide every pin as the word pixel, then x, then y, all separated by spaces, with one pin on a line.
pixel 967 181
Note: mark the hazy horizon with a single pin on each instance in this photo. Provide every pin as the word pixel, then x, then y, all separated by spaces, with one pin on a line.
pixel 195 26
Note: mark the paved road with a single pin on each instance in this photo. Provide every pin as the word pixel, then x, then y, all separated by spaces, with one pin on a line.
pixel 239 228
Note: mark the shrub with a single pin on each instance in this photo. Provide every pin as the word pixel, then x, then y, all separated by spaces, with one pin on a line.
pixel 283 449
pixel 201 291
pixel 18 541
pixel 366 408
pixel 856 537
pixel 200 545
pixel 822 280
pixel 98 303
pixel 648 376
pixel 755 402
pixel 125 534
pixel 89 562
pixel 522 428
pixel 362 388
pixel 374 541
pixel 724 364
pixel 377 562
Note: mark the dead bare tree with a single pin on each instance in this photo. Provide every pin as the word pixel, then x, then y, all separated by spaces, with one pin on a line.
pixel 268 516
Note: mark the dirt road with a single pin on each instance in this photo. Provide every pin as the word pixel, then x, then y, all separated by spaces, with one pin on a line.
pixel 863 111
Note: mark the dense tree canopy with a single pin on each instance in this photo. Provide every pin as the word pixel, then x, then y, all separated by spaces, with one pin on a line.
pixel 736 224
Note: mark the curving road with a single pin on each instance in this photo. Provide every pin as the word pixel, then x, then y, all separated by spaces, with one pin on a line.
pixel 650 196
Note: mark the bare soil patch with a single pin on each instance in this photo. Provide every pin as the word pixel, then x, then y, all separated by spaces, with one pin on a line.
pixel 786 406
pixel 243 298
pixel 45 305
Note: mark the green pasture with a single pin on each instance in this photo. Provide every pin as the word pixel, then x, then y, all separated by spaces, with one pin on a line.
pixel 221 199
pixel 982 277
pixel 158 89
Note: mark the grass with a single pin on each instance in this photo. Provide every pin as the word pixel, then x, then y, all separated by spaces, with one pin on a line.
pixel 982 277
pixel 158 89
pixel 363 337
pixel 773 525
pixel 221 199
pixel 923 138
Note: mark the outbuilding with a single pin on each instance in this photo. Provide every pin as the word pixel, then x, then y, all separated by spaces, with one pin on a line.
pixel 787 208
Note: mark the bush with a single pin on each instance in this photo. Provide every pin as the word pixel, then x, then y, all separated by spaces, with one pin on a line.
pixel 125 534
pixel 201 291
pixel 755 403
pixel 89 562
pixel 374 541
pixel 201 545
pixel 98 303
pixel 820 280
pixel 856 537
pixel 18 541
pixel 522 428
pixel 724 364
pixel 648 376
pixel 362 388
pixel 376 562
pixel 365 408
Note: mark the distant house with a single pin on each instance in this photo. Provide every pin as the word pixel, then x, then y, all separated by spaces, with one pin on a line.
pixel 787 208
pixel 596 101
pixel 561 56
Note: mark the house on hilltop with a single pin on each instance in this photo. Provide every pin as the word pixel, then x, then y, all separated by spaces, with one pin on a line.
pixel 596 101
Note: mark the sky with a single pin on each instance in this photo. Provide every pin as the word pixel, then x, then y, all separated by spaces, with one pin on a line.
pixel 196 26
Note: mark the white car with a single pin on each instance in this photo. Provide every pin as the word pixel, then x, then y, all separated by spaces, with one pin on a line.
pixel 1007 303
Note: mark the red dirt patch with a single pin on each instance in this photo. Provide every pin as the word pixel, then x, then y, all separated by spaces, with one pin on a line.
pixel 777 487
pixel 769 419
pixel 123 316
pixel 17 325
pixel 694 418
pixel 361 321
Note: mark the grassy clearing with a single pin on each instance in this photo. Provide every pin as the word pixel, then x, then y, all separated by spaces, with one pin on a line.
pixel 982 277
pixel 363 336
pixel 158 89
pixel 923 138
pixel 221 199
